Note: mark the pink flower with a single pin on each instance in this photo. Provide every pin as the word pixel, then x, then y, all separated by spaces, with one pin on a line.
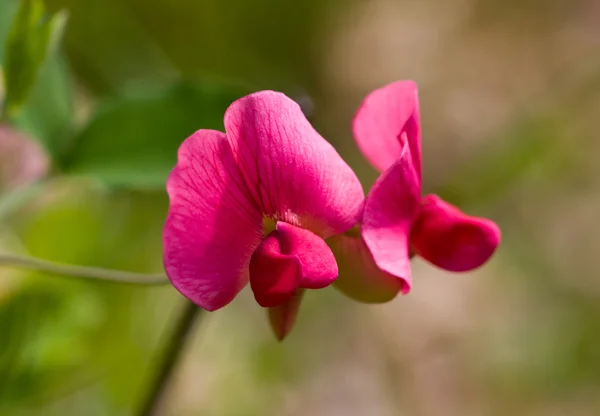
pixel 397 222
pixel 22 160
pixel 255 204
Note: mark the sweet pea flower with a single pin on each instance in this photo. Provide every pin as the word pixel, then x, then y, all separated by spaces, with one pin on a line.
pixel 254 205
pixel 397 222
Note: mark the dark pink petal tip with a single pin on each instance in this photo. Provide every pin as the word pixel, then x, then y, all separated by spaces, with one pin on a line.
pixel 283 317
pixel 387 118
pixel 452 240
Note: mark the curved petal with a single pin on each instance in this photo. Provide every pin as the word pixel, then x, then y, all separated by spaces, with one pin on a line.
pixel 293 174
pixel 390 209
pixel 289 258
pixel 318 266
pixel 274 276
pixel 450 239
pixel 212 226
pixel 387 118
pixel 360 278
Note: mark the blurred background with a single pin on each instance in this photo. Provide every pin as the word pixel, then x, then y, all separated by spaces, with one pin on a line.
pixel 510 99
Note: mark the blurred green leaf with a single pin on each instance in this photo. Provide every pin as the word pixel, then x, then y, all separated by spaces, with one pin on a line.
pixel 133 141
pixel 43 331
pixel 31 39
pixel 84 336
pixel 8 9
pixel 262 42
pixel 48 111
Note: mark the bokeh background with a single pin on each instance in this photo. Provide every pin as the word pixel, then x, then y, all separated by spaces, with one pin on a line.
pixel 510 103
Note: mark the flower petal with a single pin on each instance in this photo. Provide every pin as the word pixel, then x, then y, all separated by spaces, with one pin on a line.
pixel 212 226
pixel 387 118
pixel 318 266
pixel 450 239
pixel 360 278
pixel 390 209
pixel 283 317
pixel 289 258
pixel 294 175
pixel 274 276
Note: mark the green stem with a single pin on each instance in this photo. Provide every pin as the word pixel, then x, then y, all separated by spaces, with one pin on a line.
pixel 173 350
pixel 95 273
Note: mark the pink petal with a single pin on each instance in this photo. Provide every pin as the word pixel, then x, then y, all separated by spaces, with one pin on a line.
pixel 212 227
pixel 294 175
pixel 360 278
pixel 290 257
pixel 273 276
pixel 387 118
pixel 283 317
pixel 319 268
pixel 390 209
pixel 450 239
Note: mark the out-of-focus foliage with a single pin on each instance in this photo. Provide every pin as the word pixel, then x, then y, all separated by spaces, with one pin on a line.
pixel 260 42
pixel 36 84
pixel 33 35
pixel 142 150
pixel 509 95
pixel 63 335
pixel 51 125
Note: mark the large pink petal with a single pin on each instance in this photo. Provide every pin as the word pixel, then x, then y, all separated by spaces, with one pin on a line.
pixel 318 266
pixel 450 239
pixel 212 226
pixel 294 175
pixel 387 118
pixel 360 278
pixel 390 209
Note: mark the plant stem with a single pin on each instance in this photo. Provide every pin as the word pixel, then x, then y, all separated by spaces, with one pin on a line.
pixel 96 273
pixel 173 350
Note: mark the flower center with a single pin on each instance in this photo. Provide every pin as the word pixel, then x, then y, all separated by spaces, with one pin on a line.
pixel 268 225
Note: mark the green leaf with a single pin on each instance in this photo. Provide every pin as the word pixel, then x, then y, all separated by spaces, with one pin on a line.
pixel 32 37
pixel 132 142
pixel 8 10
pixel 143 45
pixel 47 113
